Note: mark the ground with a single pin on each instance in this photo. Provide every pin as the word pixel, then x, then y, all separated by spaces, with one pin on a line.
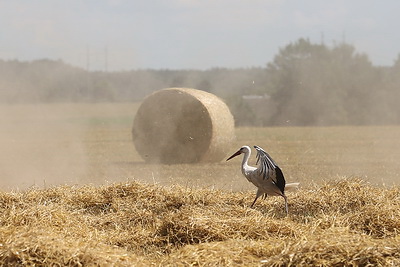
pixel 76 192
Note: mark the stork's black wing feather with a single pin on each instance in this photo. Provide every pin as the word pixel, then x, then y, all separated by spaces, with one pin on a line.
pixel 280 179
pixel 269 168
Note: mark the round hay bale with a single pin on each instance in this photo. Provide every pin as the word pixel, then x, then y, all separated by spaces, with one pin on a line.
pixel 182 125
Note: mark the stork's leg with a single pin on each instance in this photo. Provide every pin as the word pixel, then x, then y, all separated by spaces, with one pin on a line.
pixel 252 204
pixel 258 194
pixel 286 205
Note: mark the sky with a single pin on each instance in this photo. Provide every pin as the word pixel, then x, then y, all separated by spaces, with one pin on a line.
pixel 116 35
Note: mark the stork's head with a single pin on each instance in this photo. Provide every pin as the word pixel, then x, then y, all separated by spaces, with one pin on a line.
pixel 243 149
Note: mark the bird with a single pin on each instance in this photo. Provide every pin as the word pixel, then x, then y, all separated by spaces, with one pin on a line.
pixel 267 177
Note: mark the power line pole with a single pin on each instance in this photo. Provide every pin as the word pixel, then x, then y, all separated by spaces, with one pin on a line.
pixel 343 37
pixel 106 59
pixel 322 38
pixel 88 80
pixel 87 58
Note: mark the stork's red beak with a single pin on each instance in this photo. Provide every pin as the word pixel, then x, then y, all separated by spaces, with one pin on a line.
pixel 234 155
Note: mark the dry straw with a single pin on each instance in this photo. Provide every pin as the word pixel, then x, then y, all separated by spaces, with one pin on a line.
pixel 182 125
pixel 343 223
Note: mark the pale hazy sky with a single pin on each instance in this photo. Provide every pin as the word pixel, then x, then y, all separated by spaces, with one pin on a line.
pixel 196 34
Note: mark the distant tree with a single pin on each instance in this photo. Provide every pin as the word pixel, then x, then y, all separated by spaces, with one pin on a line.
pixel 396 65
pixel 389 93
pixel 241 111
pixel 305 84
pixel 314 85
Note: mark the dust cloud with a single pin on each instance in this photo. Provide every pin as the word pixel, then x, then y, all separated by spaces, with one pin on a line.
pixel 323 111
pixel 36 148
pixel 50 144
pixel 43 145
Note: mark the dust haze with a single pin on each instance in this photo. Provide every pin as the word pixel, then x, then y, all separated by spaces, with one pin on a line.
pixel 79 143
pixel 320 111
pixel 46 144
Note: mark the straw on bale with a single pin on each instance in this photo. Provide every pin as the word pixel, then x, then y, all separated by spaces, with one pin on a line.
pixel 182 125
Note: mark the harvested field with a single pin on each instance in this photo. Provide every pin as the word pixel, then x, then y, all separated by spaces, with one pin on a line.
pixel 345 222
pixel 58 208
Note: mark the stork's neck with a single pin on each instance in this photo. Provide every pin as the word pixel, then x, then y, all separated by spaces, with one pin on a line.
pixel 245 162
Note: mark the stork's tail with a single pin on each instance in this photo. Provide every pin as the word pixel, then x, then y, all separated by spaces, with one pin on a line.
pixel 291 186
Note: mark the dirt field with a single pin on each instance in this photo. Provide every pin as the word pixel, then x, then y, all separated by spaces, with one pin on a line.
pixel 119 211
pixel 43 145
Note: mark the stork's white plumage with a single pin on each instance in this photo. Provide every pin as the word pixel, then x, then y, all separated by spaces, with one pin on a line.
pixel 267 177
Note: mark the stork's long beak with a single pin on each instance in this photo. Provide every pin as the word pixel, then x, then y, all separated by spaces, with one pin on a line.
pixel 234 155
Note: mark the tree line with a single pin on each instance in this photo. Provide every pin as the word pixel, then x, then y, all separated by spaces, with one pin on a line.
pixel 305 84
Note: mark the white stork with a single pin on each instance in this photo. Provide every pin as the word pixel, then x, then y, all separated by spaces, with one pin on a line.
pixel 267 177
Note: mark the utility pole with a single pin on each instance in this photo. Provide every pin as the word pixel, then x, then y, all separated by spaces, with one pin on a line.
pixel 322 38
pixel 88 83
pixel 87 58
pixel 106 59
pixel 343 37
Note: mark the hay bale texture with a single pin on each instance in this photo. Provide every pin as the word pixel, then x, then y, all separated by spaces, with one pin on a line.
pixel 182 125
